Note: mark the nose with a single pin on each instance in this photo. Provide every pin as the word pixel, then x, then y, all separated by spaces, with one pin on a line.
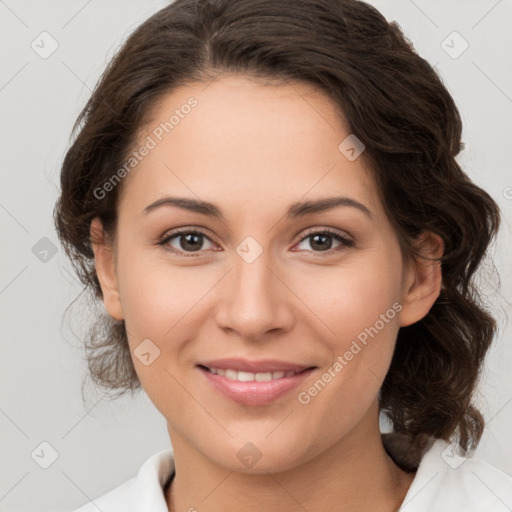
pixel 254 300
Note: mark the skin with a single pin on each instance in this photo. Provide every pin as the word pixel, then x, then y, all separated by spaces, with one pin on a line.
pixel 253 148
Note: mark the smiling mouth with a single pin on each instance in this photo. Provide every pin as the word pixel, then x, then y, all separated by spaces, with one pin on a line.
pixel 254 388
pixel 243 376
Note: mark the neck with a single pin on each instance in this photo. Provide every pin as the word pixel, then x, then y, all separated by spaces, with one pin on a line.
pixel 356 474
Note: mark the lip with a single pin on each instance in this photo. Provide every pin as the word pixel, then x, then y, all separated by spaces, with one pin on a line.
pixel 254 393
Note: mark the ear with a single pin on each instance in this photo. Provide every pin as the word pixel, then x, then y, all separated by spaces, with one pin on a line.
pixel 422 279
pixel 105 263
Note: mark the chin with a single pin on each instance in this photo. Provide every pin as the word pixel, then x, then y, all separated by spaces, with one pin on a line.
pixel 261 456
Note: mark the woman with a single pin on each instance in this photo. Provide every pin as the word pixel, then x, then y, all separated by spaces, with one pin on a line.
pixel 264 195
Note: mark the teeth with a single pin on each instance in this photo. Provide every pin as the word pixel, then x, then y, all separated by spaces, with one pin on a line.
pixel 249 376
pixel 260 377
pixel 231 374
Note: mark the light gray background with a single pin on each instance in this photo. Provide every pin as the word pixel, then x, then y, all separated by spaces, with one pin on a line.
pixel 104 443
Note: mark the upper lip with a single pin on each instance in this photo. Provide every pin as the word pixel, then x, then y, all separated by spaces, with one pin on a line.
pixel 243 365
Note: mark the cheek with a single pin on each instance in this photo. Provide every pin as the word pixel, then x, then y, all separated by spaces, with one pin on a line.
pixel 352 298
pixel 158 305
pixel 153 293
pixel 165 304
pixel 359 307
pixel 362 316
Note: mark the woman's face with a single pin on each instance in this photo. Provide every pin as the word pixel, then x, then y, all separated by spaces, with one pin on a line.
pixel 260 284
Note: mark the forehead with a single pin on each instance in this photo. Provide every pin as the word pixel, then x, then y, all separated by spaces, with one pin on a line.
pixel 245 142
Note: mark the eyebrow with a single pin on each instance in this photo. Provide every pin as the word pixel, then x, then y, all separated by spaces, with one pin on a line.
pixel 295 210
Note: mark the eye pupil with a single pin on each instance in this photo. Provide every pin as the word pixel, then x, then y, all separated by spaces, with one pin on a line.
pixel 322 238
pixel 191 240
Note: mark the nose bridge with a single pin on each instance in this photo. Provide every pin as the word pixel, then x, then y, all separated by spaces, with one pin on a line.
pixel 253 300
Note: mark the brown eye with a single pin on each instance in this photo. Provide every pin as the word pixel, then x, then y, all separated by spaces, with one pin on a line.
pixel 185 241
pixel 322 241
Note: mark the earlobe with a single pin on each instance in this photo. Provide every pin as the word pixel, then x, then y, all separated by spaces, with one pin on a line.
pixel 423 279
pixel 104 261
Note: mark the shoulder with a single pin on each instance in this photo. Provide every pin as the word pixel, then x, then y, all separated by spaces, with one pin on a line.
pixel 450 482
pixel 140 493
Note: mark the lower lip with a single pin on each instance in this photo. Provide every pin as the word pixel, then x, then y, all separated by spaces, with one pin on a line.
pixel 255 392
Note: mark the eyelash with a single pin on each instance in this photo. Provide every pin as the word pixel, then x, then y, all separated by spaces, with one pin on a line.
pixel 345 242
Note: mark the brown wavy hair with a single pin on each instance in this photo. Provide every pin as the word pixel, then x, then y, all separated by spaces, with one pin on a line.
pixel 392 100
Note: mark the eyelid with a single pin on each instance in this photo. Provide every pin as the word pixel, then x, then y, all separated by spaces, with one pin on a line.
pixel 329 231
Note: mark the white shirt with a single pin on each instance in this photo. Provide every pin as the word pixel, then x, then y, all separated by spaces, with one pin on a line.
pixel 444 482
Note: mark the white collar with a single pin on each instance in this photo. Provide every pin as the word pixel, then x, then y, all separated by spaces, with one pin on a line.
pixel 443 482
